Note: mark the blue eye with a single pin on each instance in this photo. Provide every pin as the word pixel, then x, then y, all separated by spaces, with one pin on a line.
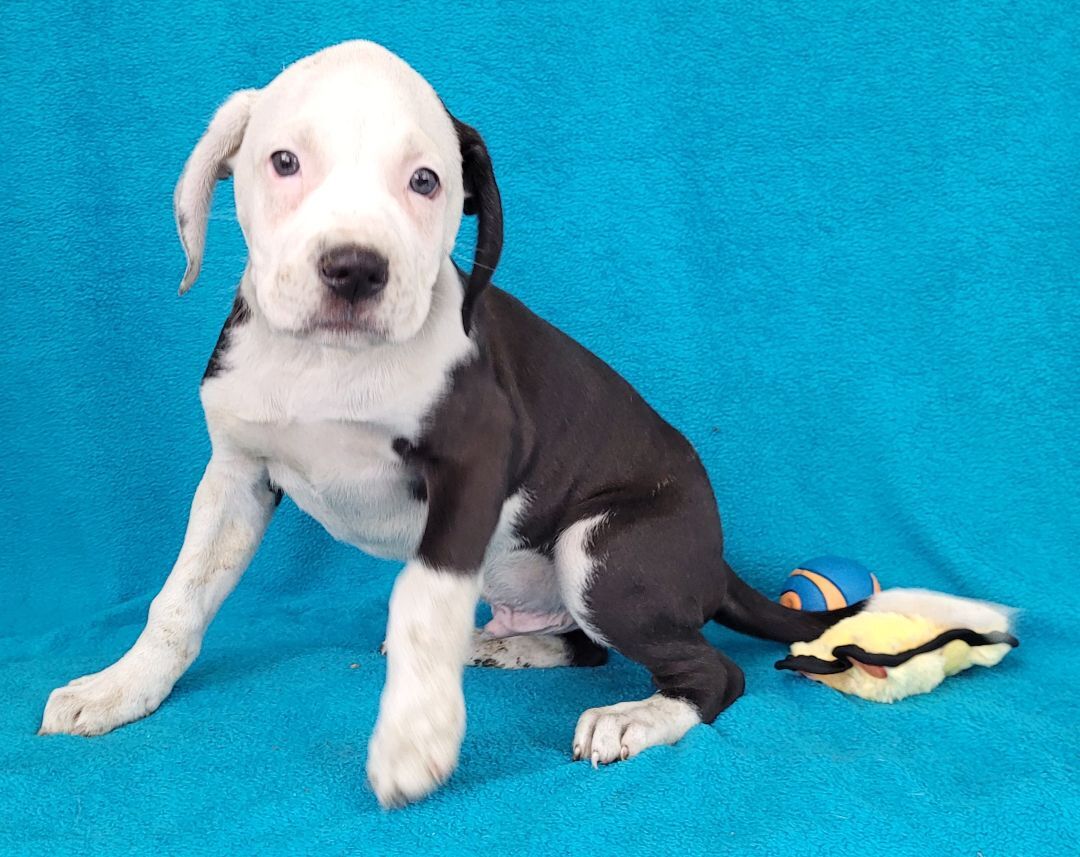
pixel 424 182
pixel 285 163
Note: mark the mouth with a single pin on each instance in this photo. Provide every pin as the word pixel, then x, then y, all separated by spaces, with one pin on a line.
pixel 335 326
pixel 343 321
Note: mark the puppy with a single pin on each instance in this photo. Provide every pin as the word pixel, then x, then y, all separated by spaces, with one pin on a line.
pixel 422 415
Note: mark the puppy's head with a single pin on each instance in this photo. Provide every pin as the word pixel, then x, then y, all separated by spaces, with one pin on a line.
pixel 350 180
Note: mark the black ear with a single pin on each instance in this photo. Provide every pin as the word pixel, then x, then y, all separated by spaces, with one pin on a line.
pixel 482 198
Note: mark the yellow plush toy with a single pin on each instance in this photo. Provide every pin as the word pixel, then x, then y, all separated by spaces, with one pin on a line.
pixel 905 642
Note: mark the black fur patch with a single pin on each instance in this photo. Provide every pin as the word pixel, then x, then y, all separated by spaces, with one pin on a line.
pixel 464 458
pixel 536 411
pixel 583 651
pixel 482 199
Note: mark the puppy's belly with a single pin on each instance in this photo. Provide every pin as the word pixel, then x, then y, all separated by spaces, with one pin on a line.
pixel 522 587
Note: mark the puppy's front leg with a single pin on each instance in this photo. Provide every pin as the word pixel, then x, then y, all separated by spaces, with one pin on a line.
pixel 229 514
pixel 422 713
pixel 433 610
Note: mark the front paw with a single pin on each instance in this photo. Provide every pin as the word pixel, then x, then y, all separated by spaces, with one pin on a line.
pixel 412 753
pixel 98 703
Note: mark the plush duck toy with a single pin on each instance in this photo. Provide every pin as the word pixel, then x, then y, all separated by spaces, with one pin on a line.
pixel 905 642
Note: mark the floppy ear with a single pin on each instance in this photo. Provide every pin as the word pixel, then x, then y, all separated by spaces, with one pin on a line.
pixel 208 162
pixel 482 198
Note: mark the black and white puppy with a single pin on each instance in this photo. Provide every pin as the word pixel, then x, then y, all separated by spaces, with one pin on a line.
pixel 420 415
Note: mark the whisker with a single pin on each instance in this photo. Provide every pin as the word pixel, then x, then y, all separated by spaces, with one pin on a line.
pixel 470 263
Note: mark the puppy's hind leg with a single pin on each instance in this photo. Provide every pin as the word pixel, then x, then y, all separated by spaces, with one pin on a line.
pixel 695 683
pixel 636 585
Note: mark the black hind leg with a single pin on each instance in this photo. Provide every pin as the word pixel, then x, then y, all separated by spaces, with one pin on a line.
pixel 648 584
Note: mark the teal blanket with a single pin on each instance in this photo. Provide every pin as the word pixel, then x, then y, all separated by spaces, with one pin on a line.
pixel 836 243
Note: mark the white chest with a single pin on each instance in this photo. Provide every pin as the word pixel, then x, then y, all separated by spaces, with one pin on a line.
pixel 347 477
pixel 324 422
pixel 324 419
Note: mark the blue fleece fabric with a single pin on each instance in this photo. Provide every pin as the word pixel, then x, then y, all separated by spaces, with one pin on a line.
pixel 837 244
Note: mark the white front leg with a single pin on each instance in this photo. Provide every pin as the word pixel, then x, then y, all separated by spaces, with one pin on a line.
pixel 228 516
pixel 422 714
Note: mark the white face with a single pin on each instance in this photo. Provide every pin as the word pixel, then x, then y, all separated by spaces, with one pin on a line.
pixel 349 192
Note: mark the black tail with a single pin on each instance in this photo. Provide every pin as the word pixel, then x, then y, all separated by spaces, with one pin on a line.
pixel 749 612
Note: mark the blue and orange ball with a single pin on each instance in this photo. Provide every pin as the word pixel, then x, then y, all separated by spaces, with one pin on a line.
pixel 828 583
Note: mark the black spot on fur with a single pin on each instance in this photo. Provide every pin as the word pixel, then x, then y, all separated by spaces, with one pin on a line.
pixel 408 453
pixel 276 491
pixel 418 489
pixel 240 314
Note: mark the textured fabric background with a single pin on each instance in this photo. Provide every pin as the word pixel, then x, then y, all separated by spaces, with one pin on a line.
pixel 835 243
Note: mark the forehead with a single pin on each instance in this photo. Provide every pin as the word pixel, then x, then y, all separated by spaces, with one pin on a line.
pixel 344 96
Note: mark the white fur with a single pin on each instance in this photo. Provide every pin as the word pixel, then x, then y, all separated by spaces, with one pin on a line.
pixel 228 515
pixel 325 419
pixel 361 122
pixel 623 730
pixel 949 611
pixel 576 566
pixel 422 713
pixel 275 378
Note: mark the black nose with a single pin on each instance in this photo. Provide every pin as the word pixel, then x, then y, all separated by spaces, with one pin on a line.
pixel 354 272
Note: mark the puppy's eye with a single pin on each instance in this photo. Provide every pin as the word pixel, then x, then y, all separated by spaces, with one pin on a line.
pixel 285 163
pixel 424 182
